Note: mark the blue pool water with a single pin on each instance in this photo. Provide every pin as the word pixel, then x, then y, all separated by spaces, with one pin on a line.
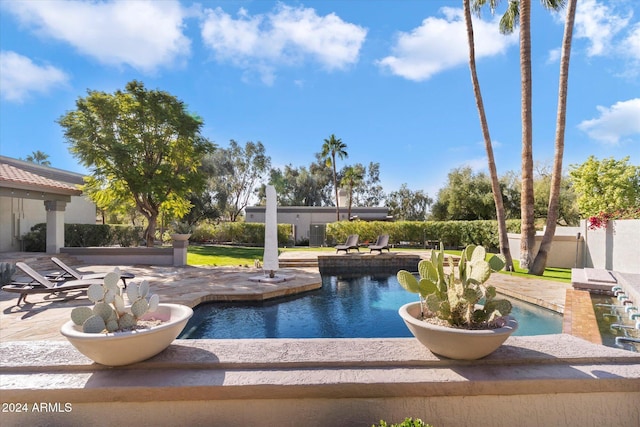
pixel 358 307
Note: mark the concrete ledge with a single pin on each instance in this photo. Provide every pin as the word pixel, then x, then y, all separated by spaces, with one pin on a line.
pixel 122 256
pixel 319 382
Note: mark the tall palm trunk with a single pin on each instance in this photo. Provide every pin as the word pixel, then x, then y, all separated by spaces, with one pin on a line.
pixel 335 186
pixel 495 184
pixel 528 230
pixel 540 261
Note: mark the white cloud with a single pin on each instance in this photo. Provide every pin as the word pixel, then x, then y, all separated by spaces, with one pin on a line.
pixel 616 123
pixel 554 55
pixel 286 36
pixel 20 77
pixel 141 34
pixel 599 24
pixel 631 44
pixel 441 43
pixel 478 164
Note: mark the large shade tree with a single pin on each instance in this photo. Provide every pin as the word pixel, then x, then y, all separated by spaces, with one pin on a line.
pixel 334 147
pixel 408 205
pixel 236 174
pixel 142 147
pixel 606 186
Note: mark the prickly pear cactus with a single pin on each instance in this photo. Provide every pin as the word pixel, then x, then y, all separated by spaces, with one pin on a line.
pixel 109 312
pixel 456 298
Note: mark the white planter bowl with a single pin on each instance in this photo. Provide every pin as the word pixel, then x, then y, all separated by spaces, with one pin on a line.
pixel 180 237
pixel 455 343
pixel 124 348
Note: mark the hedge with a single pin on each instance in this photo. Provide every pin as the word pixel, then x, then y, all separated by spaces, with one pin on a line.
pixel 85 235
pixel 453 234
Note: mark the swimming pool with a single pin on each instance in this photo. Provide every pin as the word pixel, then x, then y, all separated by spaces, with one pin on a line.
pixel 345 307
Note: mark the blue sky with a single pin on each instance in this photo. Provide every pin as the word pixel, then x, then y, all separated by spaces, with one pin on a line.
pixel 388 77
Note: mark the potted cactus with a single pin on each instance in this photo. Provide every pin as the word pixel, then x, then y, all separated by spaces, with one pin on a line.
pixel 112 333
pixel 449 319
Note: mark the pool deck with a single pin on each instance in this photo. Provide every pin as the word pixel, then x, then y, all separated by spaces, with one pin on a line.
pixel 41 318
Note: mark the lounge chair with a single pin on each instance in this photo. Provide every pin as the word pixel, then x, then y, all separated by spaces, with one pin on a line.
pixel 351 243
pixel 381 243
pixel 41 285
pixel 70 273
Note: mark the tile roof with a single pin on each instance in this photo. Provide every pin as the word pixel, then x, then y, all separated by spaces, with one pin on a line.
pixel 21 178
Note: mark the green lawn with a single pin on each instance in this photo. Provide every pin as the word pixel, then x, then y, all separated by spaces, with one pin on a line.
pixel 244 256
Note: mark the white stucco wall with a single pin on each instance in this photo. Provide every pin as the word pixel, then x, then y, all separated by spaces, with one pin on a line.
pixel 616 247
pixel 566 249
pixel 17 216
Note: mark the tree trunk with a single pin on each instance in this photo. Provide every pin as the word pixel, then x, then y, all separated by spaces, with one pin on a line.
pixel 528 230
pixel 335 185
pixel 540 261
pixel 150 231
pixel 495 184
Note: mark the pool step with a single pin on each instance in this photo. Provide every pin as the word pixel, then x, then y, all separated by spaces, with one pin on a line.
pixel 302 263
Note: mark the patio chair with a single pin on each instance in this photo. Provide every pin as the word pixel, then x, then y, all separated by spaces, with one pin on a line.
pixel 70 273
pixel 41 285
pixel 381 243
pixel 351 243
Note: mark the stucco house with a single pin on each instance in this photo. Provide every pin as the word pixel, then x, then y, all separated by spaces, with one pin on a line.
pixel 31 194
pixel 310 222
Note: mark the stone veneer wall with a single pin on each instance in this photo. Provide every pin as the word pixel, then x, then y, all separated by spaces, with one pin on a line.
pixel 547 380
pixel 361 262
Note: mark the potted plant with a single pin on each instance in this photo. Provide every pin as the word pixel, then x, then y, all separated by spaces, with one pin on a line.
pixel 449 319
pixel 181 231
pixel 114 334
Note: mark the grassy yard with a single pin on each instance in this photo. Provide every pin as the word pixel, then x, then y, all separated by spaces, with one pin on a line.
pixel 220 255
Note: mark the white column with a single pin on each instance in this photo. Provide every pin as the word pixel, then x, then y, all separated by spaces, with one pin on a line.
pixel 55 225
pixel 180 246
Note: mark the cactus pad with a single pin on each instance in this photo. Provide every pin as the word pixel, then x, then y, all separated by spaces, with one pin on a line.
pixel 154 301
pixel 93 325
pixel 126 322
pixel 132 292
pixel 111 280
pixel 139 308
pixel 95 292
pixel 80 314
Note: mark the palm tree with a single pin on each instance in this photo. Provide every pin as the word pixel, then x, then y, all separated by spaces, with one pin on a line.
pixel 495 183
pixel 353 176
pixel 554 193
pixel 519 11
pixel 332 147
pixel 39 158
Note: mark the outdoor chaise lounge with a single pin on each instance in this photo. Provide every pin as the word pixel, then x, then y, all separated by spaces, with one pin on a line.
pixel 70 273
pixel 380 244
pixel 351 243
pixel 41 285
